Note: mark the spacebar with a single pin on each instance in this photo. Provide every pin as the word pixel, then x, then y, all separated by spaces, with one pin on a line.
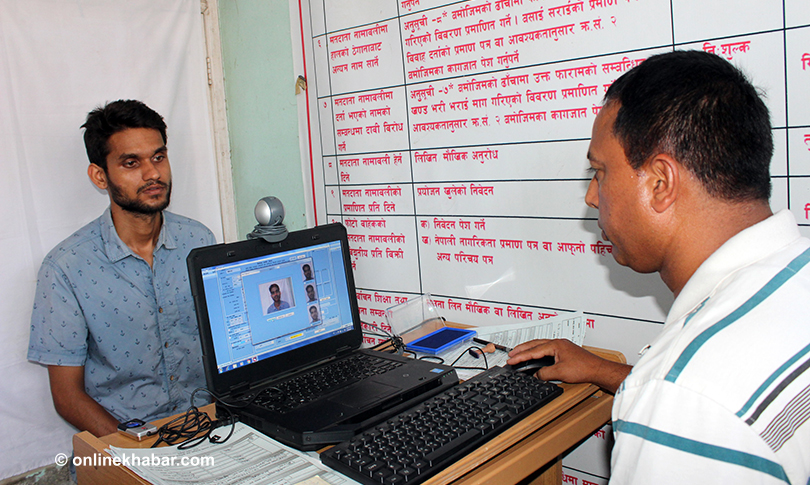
pixel 446 451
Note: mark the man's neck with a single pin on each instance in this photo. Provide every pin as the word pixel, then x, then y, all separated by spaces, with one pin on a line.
pixel 703 232
pixel 139 232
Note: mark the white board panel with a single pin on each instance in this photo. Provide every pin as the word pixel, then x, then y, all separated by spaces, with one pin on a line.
pixel 454 137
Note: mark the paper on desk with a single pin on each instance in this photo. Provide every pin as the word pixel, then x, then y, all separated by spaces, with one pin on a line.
pixel 247 458
pixel 571 326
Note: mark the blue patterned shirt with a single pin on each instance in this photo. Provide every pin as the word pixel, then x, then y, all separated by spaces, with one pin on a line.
pixel 132 327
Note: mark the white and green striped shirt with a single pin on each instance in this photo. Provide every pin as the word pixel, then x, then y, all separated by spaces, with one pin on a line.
pixel 723 394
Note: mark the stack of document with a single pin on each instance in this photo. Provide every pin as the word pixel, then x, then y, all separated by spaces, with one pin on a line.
pixel 247 458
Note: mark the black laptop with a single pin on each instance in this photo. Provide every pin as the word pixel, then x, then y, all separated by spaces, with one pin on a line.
pixel 281 336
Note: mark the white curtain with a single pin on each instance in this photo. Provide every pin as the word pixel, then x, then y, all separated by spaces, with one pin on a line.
pixel 58 60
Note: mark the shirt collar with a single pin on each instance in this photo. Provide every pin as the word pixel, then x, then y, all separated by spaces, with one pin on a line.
pixel 117 250
pixel 745 248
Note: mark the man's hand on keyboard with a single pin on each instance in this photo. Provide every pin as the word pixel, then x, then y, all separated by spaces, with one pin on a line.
pixel 572 363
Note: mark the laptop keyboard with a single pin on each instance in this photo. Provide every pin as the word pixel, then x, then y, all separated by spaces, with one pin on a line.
pixel 417 444
pixel 309 386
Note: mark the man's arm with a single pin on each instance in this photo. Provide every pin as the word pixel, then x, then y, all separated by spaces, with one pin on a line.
pixel 572 363
pixel 75 405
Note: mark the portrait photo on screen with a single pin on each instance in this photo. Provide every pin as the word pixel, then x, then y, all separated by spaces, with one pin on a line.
pixel 276 296
pixel 312 292
pixel 307 272
pixel 314 314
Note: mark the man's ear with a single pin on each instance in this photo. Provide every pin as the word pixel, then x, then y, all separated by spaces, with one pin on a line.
pixel 97 175
pixel 664 175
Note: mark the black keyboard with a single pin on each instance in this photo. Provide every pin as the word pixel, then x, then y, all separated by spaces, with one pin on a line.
pixel 417 444
pixel 286 396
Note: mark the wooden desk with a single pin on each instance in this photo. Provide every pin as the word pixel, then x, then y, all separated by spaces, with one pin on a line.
pixel 530 448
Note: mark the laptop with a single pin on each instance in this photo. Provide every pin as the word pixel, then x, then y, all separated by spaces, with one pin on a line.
pixel 279 320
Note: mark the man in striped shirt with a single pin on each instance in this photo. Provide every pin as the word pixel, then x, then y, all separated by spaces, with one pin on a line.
pixel 680 155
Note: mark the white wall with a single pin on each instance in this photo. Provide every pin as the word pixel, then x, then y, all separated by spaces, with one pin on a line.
pixel 58 60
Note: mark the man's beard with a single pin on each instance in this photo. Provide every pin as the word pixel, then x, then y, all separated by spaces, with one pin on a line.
pixel 135 205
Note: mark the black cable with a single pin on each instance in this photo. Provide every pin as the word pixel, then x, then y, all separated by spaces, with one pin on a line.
pixel 439 360
pixel 468 349
pixel 190 424
pixel 396 340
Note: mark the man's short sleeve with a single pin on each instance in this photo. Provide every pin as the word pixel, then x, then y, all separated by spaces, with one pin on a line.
pixel 58 328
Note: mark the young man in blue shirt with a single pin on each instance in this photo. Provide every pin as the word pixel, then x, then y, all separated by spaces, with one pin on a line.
pixel 113 316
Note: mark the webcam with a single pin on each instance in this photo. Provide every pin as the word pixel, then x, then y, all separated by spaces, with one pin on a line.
pixel 269 212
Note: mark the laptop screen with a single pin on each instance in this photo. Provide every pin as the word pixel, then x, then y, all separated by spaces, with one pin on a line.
pixel 267 309
pixel 265 306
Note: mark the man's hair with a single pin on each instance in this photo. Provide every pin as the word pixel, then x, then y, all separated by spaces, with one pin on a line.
pixel 105 121
pixel 702 111
pixel 271 287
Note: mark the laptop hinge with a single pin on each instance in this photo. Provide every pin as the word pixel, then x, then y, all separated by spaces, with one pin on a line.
pixel 343 350
pixel 239 389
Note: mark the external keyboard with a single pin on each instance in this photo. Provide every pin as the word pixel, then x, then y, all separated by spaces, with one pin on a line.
pixel 286 396
pixel 417 444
